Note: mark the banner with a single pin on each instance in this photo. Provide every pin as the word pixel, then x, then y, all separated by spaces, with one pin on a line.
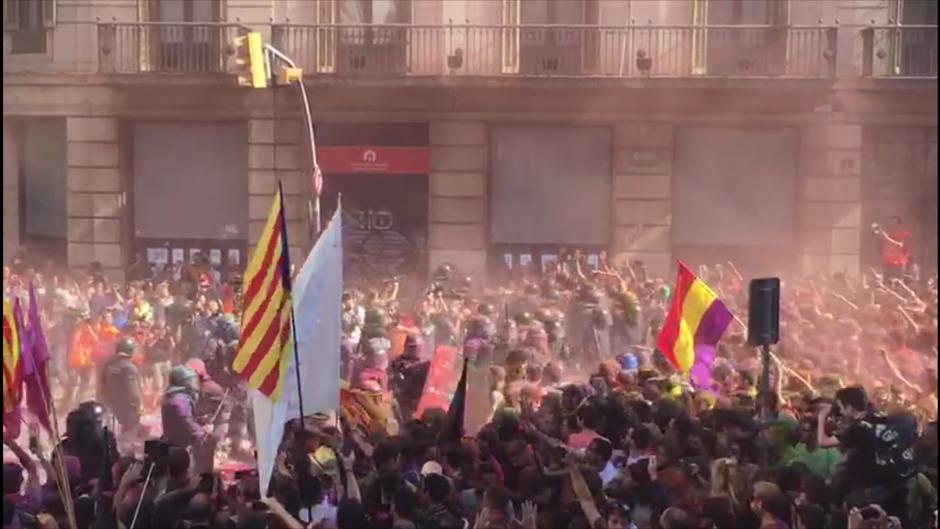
pixel 479 403
pixel 443 376
pixel 374 160
pixel 317 299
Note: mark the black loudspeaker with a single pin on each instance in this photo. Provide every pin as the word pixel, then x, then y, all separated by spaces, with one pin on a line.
pixel 763 314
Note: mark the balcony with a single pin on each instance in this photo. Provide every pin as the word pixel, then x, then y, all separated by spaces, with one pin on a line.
pixel 165 47
pixel 899 52
pixel 560 51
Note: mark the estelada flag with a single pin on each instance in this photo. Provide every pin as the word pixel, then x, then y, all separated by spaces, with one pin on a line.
pixel 266 339
pixel 695 323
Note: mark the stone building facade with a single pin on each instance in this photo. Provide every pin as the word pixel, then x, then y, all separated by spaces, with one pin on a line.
pixel 124 131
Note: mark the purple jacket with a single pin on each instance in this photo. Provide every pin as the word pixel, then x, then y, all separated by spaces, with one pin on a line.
pixel 179 418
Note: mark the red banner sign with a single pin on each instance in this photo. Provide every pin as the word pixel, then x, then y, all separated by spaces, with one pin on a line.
pixel 443 376
pixel 387 160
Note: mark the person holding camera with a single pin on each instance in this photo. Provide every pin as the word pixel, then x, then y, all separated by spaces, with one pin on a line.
pixel 878 448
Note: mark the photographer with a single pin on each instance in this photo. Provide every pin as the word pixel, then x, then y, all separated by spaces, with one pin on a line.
pixel 879 450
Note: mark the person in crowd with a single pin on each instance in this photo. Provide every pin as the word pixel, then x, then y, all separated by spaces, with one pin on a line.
pixel 896 242
pixel 178 411
pixel 81 362
pixel 119 389
pixel 597 432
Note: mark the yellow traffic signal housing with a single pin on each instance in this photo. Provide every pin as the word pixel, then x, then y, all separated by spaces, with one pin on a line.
pixel 287 76
pixel 250 59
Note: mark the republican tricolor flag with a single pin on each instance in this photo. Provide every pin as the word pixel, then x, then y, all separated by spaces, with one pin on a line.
pixel 266 339
pixel 12 365
pixel 693 327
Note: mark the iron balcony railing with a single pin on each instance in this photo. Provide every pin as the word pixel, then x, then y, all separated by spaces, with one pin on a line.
pixel 899 51
pixel 561 51
pixel 165 47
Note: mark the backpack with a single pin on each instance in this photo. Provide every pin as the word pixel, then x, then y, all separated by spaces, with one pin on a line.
pixel 895 437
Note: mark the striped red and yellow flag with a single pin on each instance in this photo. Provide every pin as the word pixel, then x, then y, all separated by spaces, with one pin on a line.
pixel 266 335
pixel 12 370
pixel 368 409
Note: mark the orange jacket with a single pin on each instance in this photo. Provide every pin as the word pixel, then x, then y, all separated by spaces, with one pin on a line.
pixel 84 343
pixel 107 339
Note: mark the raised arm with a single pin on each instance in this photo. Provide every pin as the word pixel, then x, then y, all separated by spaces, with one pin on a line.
pixel 897 372
pixel 391 294
pixel 908 318
pixel 32 470
pixel 280 513
pixel 885 236
pixel 352 485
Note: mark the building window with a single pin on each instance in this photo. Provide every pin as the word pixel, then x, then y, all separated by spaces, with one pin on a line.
pixel 916 47
pixel 746 12
pixel 27 22
pixel 554 37
pixel 739 37
pixel 375 12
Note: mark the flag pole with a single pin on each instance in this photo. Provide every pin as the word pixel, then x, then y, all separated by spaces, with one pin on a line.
pixel 288 284
pixel 62 483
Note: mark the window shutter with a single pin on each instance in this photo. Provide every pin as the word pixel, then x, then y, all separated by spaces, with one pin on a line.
pixel 48 13
pixel 11 16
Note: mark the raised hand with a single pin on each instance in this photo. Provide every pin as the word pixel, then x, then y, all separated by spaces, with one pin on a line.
pixel 530 512
pixel 131 475
pixel 482 520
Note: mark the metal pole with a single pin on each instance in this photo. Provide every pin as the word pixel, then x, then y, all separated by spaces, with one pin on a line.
pixel 765 369
pixel 288 286
pixel 314 222
pixel 143 493
pixel 313 155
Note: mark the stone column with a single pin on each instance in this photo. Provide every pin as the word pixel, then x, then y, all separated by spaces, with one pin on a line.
pixel 95 199
pixel 642 197
pixel 275 154
pixel 457 196
pixel 830 204
pixel 11 192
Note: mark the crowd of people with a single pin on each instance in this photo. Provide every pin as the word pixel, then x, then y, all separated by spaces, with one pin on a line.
pixel 588 425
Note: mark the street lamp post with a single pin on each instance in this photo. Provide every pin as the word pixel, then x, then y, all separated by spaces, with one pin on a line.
pixel 294 75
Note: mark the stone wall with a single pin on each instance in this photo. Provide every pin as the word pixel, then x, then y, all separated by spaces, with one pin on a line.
pixel 96 200
pixel 642 172
pixel 830 171
pixel 457 195
pixel 276 151
pixel 11 202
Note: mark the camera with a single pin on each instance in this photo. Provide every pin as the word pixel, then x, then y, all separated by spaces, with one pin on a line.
pixel 156 450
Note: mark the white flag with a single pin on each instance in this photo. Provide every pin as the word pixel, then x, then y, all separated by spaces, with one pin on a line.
pixel 317 293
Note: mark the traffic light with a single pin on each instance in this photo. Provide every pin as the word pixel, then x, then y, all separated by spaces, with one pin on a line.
pixel 250 59
pixel 286 75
